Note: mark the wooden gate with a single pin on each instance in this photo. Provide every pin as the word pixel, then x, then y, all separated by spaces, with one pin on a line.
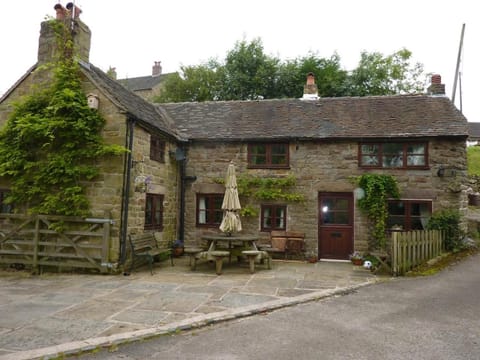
pixel 32 240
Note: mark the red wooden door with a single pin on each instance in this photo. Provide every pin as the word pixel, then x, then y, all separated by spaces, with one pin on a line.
pixel 335 225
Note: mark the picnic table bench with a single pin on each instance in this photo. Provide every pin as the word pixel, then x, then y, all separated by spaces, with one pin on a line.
pixel 146 246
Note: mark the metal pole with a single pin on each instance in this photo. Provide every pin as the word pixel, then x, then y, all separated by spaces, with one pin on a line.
pixel 458 64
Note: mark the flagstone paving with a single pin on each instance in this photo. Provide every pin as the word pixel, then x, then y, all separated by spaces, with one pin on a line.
pixel 53 309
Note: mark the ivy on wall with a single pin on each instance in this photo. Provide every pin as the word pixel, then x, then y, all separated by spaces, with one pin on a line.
pixel 265 188
pixel 378 188
pixel 52 140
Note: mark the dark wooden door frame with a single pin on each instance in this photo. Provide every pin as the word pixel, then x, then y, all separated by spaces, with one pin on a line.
pixel 340 243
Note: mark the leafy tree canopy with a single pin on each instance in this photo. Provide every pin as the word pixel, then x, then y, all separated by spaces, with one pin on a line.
pixel 247 73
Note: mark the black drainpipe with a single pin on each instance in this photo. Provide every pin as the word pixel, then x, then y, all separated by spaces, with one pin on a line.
pixel 182 158
pixel 126 192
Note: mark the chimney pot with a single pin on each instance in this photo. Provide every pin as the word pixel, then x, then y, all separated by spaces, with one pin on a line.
pixel 75 9
pixel 156 68
pixel 310 90
pixel 61 11
pixel 436 79
pixel 310 79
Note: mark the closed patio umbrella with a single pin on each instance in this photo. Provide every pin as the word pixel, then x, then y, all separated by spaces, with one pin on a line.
pixel 231 204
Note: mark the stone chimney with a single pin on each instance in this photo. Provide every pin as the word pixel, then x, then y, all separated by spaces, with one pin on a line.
pixel 47 45
pixel 157 68
pixel 436 87
pixel 310 90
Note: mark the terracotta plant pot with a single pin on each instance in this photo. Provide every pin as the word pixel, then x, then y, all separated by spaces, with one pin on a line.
pixel 357 261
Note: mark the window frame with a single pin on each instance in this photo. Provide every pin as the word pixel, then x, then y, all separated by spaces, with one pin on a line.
pixel 157 149
pixel 405 155
pixel 273 208
pixel 152 224
pixel 268 155
pixel 408 203
pixel 211 198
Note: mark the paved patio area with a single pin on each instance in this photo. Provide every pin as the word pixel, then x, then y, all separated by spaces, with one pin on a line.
pixel 66 313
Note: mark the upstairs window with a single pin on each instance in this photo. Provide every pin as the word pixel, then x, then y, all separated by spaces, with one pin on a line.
pixel 273 217
pixel 209 210
pixel 154 212
pixel 393 155
pixel 157 149
pixel 268 155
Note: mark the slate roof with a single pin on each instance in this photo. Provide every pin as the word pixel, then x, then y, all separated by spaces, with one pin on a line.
pixel 474 131
pixel 142 82
pixel 144 111
pixel 399 116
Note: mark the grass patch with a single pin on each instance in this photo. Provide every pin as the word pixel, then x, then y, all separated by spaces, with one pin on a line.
pixel 444 261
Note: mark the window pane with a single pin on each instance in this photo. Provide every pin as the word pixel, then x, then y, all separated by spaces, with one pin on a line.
pixel 258 154
pixel 369 149
pixel 341 217
pixel 416 160
pixel 341 204
pixel 148 211
pixel 392 155
pixel 279 154
pixel 369 155
pixel 396 218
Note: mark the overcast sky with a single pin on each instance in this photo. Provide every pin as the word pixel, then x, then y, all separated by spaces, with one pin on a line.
pixel 131 35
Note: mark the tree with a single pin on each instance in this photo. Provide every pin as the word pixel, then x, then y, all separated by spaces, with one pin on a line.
pixel 194 83
pixel 248 73
pixel 379 75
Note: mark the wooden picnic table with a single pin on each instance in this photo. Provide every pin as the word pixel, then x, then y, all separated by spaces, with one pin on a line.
pixel 222 246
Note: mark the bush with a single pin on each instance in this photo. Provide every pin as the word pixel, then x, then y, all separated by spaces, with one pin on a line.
pixel 449 222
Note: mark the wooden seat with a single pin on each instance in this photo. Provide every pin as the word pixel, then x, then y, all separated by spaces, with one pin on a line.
pixel 146 246
pixel 287 243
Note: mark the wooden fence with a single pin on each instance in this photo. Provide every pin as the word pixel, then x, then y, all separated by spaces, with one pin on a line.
pixel 412 248
pixel 31 240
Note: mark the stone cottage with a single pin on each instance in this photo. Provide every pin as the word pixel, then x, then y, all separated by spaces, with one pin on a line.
pixel 170 181
pixel 149 86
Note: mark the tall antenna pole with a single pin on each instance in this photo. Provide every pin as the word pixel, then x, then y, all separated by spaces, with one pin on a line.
pixel 458 64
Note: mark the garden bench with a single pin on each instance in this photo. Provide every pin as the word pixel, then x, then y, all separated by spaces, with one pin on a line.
pixel 287 243
pixel 145 246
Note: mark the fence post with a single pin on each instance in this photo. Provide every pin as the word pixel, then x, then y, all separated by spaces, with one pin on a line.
pixel 105 241
pixel 36 237
pixel 395 253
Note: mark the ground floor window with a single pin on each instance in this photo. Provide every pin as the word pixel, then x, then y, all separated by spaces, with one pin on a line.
pixel 154 212
pixel 405 215
pixel 273 217
pixel 209 210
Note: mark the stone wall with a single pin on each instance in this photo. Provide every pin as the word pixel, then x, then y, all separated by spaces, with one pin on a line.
pixel 321 167
pixel 106 190
pixel 153 177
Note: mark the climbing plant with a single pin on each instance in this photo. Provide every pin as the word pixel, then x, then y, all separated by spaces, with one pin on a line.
pixel 265 188
pixel 52 140
pixel 378 188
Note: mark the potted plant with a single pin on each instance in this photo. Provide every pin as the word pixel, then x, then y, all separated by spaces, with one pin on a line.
pixel 177 248
pixel 356 258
